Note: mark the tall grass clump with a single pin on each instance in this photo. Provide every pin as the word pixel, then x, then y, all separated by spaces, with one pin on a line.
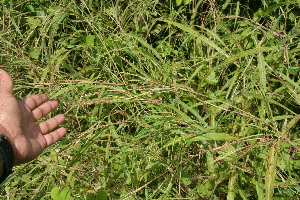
pixel 165 99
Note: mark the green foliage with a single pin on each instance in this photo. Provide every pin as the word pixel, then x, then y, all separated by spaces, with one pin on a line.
pixel 100 195
pixel 184 2
pixel 164 99
pixel 63 194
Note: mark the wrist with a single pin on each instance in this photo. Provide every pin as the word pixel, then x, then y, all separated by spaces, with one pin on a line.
pixel 8 158
pixel 9 138
pixel 1 166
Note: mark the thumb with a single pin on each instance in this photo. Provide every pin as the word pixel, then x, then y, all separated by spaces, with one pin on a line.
pixel 6 84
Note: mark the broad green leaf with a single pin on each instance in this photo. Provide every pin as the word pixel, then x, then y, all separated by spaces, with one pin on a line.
pixel 33 22
pixel 90 40
pixel 34 54
pixel 65 193
pixel 185 2
pixel 90 197
pixel 178 2
pixel 55 193
pixel 101 195
pixel 211 78
pixel 186 178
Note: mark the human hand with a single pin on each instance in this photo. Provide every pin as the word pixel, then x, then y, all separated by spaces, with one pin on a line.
pixel 17 121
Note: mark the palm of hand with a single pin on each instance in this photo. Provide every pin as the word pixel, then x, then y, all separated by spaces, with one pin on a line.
pixel 18 122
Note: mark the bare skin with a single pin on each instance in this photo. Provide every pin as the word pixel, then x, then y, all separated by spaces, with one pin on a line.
pixel 18 122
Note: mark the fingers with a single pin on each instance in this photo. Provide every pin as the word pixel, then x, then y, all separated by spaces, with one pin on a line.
pixel 54 136
pixel 34 101
pixel 51 123
pixel 39 105
pixel 6 84
pixel 44 109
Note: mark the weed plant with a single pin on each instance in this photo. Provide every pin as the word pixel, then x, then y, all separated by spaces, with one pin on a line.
pixel 165 99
